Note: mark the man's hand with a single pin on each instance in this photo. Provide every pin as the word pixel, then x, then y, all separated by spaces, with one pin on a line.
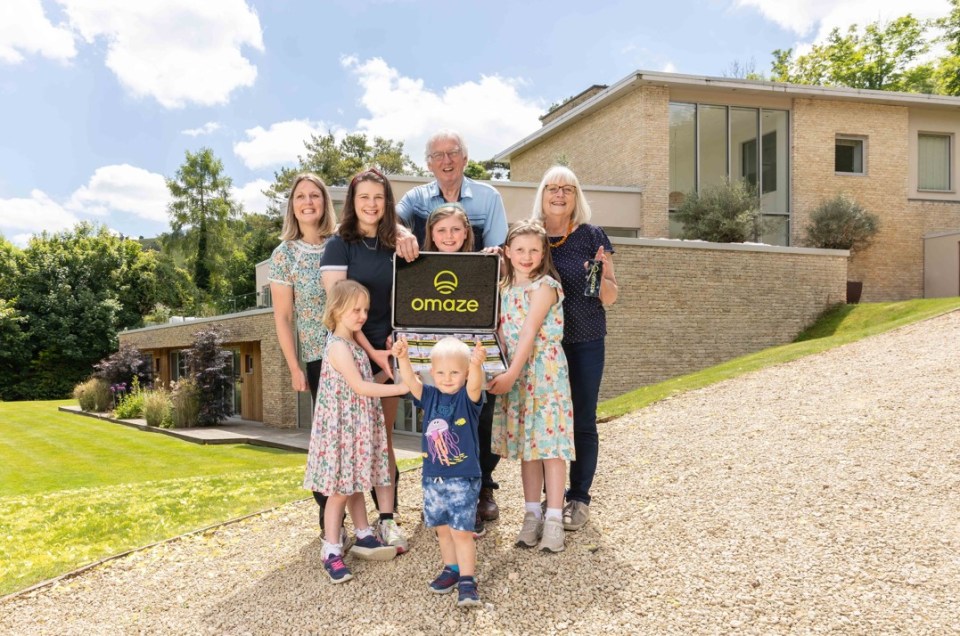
pixel 407 247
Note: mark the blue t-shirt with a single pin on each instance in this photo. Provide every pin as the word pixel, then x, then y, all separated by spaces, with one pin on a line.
pixel 450 440
pixel 584 318
pixel 371 265
pixel 482 202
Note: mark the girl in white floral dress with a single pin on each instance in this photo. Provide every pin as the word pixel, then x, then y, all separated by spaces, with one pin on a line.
pixel 348 442
pixel 535 423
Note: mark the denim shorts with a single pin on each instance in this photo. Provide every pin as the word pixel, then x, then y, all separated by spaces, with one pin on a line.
pixel 451 501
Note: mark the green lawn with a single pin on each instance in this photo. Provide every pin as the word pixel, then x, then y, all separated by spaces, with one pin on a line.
pixel 843 324
pixel 76 490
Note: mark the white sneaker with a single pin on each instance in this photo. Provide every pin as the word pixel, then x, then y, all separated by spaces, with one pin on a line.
pixel 530 531
pixel 575 515
pixel 390 534
pixel 552 539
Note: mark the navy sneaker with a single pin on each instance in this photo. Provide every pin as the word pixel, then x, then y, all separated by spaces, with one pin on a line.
pixel 467 595
pixel 336 569
pixel 372 549
pixel 444 583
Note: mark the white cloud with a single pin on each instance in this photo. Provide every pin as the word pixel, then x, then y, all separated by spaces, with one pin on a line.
pixel 206 129
pixel 123 189
pixel 176 51
pixel 489 113
pixel 251 195
pixel 24 29
pixel 669 67
pixel 278 145
pixel 33 215
pixel 817 18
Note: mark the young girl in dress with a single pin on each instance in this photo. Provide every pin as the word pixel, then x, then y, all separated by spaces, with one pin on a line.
pixel 535 422
pixel 348 443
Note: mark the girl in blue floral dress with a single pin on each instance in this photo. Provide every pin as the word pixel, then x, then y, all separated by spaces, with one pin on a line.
pixel 535 422
pixel 348 441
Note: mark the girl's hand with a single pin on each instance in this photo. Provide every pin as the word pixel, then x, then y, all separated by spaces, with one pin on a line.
pixel 381 357
pixel 502 383
pixel 400 349
pixel 479 355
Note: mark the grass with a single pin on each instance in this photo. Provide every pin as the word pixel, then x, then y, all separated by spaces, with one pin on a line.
pixel 76 490
pixel 838 326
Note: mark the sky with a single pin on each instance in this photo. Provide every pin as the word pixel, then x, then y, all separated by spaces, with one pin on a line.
pixel 101 99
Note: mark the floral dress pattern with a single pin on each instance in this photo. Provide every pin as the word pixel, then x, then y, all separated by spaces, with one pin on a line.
pixel 297 264
pixel 348 441
pixel 535 418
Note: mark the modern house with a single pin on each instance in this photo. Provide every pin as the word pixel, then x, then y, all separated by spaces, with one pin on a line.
pixel 668 134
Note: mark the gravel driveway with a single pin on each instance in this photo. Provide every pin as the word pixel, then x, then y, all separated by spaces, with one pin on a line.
pixel 822 495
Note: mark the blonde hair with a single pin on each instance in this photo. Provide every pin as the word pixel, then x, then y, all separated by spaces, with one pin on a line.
pixel 562 175
pixel 341 298
pixel 524 228
pixel 291 227
pixel 450 347
pixel 445 211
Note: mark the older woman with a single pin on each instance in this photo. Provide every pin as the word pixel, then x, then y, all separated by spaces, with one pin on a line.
pixel 563 209
pixel 362 250
pixel 298 295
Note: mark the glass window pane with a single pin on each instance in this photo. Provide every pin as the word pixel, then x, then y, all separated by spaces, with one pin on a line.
pixel 683 137
pixel 776 229
pixel 676 227
pixel 849 156
pixel 744 154
pixel 713 145
pixel 774 163
pixel 934 162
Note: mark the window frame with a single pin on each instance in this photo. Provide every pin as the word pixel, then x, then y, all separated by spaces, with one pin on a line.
pixel 863 139
pixel 950 181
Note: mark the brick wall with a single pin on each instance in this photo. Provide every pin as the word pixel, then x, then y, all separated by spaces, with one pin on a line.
pixel 279 399
pixel 685 306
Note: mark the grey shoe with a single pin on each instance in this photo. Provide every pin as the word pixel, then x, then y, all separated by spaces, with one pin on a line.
pixel 575 514
pixel 552 540
pixel 530 531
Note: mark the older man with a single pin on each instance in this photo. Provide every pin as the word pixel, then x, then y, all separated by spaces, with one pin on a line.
pixel 447 157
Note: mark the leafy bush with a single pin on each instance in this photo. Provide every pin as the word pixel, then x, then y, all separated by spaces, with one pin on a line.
pixel 122 366
pixel 728 212
pixel 129 406
pixel 157 408
pixel 93 395
pixel 841 223
pixel 184 404
pixel 210 367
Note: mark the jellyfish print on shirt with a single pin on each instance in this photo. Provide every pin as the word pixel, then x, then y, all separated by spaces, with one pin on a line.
pixel 442 443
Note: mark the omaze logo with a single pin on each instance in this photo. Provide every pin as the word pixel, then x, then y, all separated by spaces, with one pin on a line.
pixel 445 282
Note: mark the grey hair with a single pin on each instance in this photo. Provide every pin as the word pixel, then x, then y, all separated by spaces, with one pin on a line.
pixel 446 133
pixel 562 175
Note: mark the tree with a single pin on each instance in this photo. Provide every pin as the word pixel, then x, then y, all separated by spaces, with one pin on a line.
pixel 743 70
pixel 209 365
pixel 947 75
pixel 884 56
pixel 337 162
pixel 728 212
pixel 476 170
pixel 199 218
pixel 841 223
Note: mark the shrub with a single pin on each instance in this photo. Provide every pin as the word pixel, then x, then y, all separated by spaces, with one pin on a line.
pixel 210 367
pixel 122 366
pixel 93 395
pixel 728 212
pixel 184 403
pixel 157 408
pixel 129 406
pixel 841 223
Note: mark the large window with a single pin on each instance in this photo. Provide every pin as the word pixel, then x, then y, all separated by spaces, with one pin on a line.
pixel 848 155
pixel 933 165
pixel 711 143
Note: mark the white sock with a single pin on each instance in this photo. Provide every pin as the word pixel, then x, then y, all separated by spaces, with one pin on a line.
pixel 330 548
pixel 555 513
pixel 366 532
pixel 533 507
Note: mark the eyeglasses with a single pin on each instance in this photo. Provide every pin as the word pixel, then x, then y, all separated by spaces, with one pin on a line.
pixel 439 155
pixel 567 190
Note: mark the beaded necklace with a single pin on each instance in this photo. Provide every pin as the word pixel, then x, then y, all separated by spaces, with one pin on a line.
pixel 562 240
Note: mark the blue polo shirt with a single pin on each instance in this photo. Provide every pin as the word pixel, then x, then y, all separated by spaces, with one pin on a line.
pixel 483 204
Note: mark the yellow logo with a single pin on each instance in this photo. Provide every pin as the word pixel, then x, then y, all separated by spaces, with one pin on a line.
pixel 445 282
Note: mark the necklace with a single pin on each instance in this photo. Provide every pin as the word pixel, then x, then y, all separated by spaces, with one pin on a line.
pixel 376 243
pixel 564 239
